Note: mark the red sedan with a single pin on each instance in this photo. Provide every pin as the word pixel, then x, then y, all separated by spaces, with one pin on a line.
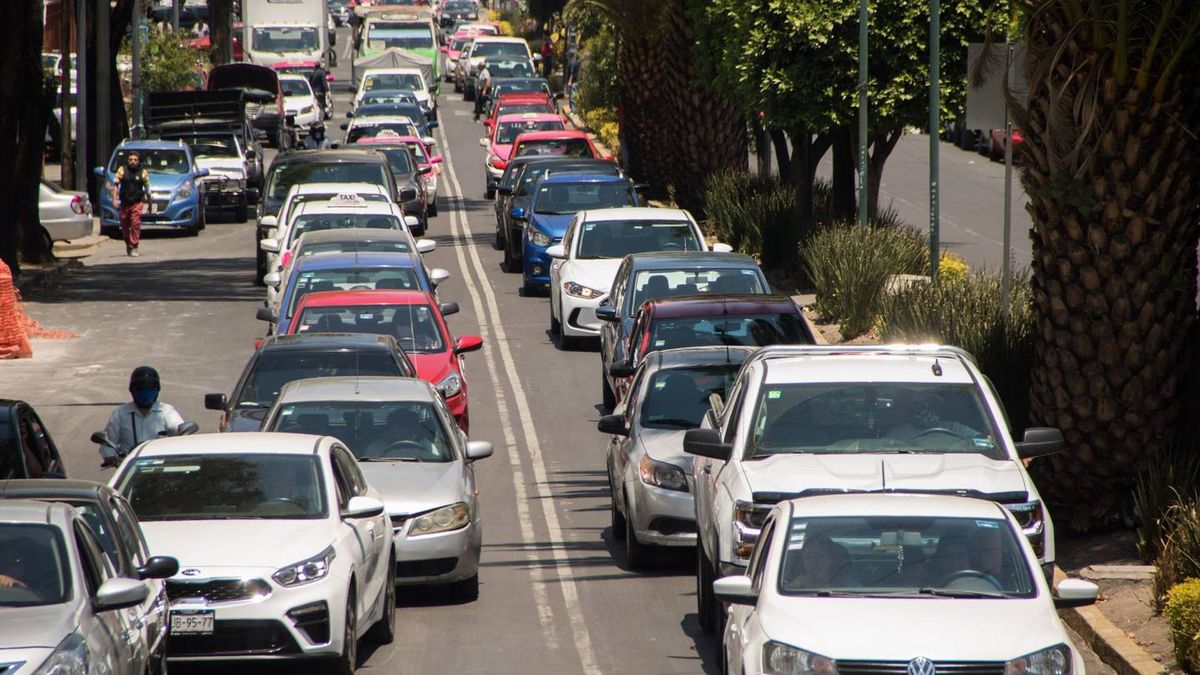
pixel 414 318
pixel 499 142
pixel 512 104
pixel 556 144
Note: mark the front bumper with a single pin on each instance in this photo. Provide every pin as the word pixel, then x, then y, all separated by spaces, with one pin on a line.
pixel 536 263
pixel 225 193
pixel 660 517
pixel 439 558
pixel 492 175
pixel 579 315
pixel 175 214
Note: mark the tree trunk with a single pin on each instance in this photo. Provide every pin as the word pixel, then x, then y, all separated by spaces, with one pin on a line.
pixel 762 147
pixel 220 25
pixel 802 171
pixel 783 155
pixel 882 145
pixel 643 113
pixel 842 186
pixel 118 128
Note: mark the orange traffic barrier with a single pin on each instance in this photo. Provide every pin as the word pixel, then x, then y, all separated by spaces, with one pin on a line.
pixel 14 344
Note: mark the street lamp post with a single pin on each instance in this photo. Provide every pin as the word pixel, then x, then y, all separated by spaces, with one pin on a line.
pixel 934 126
pixel 862 113
pixel 136 80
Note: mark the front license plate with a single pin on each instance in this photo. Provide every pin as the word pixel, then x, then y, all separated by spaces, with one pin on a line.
pixel 192 621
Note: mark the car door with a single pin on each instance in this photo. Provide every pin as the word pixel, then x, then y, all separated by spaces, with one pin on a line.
pixel 707 471
pixel 364 531
pixel 738 632
pixel 151 615
pixel 109 634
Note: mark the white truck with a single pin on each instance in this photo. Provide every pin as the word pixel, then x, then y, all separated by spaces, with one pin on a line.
pixel 286 30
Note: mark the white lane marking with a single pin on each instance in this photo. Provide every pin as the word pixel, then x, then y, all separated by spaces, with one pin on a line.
pixel 528 536
pixel 583 641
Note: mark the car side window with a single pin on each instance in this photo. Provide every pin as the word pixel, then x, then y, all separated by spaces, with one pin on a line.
pixel 42 443
pixel 350 471
pixel 619 286
pixel 129 533
pixel 733 410
pixel 569 235
pixel 340 483
pixel 96 568
pixel 757 567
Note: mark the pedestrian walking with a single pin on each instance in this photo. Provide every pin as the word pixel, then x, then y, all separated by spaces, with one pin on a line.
pixel 130 190
pixel 200 30
pixel 573 66
pixel 547 57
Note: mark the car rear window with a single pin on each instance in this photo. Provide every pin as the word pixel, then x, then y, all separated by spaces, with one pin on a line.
pixel 757 330
pixel 275 368
pixel 413 326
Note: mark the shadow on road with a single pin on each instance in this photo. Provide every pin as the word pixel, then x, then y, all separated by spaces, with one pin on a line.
pixel 199 280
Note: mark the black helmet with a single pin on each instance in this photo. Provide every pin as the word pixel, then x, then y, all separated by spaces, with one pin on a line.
pixel 144 377
pixel 317 127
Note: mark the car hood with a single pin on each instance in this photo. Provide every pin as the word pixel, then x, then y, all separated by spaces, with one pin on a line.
pixel 793 473
pixel 501 150
pixel 597 274
pixel 941 629
pixel 31 627
pixel 246 419
pixel 413 487
pixel 268 544
pixel 294 103
pixel 666 445
pixel 432 368
pixel 553 224
pixel 230 166
pixel 167 181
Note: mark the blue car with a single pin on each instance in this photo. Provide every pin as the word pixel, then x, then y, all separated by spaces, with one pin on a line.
pixel 553 202
pixel 350 272
pixel 176 198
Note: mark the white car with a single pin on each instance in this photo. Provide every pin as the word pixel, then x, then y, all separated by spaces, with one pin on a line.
pixel 802 420
pixel 855 584
pixel 284 549
pixel 484 47
pixel 383 127
pixel 300 102
pixel 413 452
pixel 65 214
pixel 400 79
pixel 591 251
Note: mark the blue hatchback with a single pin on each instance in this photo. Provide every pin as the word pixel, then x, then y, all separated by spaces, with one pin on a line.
pixel 176 198
pixel 553 202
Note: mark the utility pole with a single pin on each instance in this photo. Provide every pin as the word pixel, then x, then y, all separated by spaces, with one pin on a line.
pixel 175 15
pixel 82 91
pixel 135 130
pixel 934 126
pixel 862 113
pixel 66 9
pixel 103 83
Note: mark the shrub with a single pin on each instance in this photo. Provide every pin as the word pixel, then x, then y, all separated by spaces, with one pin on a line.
pixel 951 267
pixel 1183 617
pixel 850 265
pixel 753 214
pixel 168 64
pixel 1165 483
pixel 968 311
pixel 1179 559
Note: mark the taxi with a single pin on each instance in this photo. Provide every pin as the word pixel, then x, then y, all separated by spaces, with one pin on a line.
pixel 499 141
pixel 430 164
pixel 370 127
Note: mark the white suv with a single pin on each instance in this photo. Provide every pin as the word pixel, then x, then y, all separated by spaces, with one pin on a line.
pixel 805 420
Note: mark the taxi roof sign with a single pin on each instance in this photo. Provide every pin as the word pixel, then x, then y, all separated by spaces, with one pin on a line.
pixel 387 133
pixel 348 199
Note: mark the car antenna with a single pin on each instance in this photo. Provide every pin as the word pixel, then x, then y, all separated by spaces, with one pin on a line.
pixel 937 368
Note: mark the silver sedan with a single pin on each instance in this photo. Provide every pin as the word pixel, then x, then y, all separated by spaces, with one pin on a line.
pixel 647 467
pixel 65 214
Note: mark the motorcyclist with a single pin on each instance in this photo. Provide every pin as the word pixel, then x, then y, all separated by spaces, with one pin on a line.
pixel 142 419
pixel 316 137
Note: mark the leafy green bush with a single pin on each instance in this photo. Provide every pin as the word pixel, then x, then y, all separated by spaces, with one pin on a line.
pixel 753 214
pixel 850 265
pixel 1183 616
pixel 967 310
pixel 1179 559
pixel 1169 481
pixel 168 64
pixel 603 123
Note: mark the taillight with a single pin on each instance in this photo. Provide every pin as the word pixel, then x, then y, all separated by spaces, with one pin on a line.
pixel 77 205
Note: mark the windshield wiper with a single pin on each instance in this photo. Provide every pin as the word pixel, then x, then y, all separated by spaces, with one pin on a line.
pixel 959 593
pixel 673 421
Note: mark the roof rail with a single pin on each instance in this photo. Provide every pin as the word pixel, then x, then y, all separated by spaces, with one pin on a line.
pixel 786 351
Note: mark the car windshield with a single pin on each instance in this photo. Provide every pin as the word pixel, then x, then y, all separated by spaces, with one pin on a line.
pixel 518 108
pixel 568 198
pixel 225 487
pixel 413 326
pixel 284 39
pixel 509 131
pixel 677 398
pixel 276 367
pixel 380 36
pixel 400 160
pixel 398 109
pixel 387 96
pixel 36 558
pixel 510 69
pixel 522 86
pixel 285 175
pixel 295 87
pixel 213 147
pixel 756 330
pixel 317 222
pixel 373 129
pixel 558 147
pixel 155 160
pixel 904 557
pixel 379 431
pixel 405 81
pixel 535 169
pixel 619 238
pixel 384 246
pixel 354 279
pixel 457 45
pixel 500 49
pixel 872 417
pixel 666 283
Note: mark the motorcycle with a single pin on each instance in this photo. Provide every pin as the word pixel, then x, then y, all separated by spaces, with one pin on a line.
pixel 111 456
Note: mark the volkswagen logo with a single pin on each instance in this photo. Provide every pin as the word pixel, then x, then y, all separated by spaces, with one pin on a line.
pixel 921 666
pixel 192 571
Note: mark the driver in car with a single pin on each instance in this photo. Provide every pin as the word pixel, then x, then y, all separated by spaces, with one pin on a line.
pixel 14 571
pixel 918 414
pixel 821 563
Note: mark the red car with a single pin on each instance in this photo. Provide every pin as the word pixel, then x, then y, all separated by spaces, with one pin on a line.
pixel 555 144
pixel 414 318
pixel 453 49
pixel 996 144
pixel 499 141
pixel 512 104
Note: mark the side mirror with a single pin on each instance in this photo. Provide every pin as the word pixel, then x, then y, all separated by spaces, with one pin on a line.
pixel 468 343
pixel 100 438
pixel 1039 442
pixel 268 222
pixel 736 590
pixel 424 169
pixel 187 429
pixel 1075 593
pixel 478 450
pixel 506 191
pixel 448 308
pixel 349 114
pixel 363 507
pixel 265 314
pixel 429 141
pixel 408 194
pixel 557 251
pixel 272 279
pixel 444 48
pixel 426 245
pixel 411 222
pixel 622 369
pixel 437 276
pixel 433 124
pixel 159 567
pixel 706 443
pixel 517 213
pixel 612 424
pixel 487 124
pixel 120 593
pixel 606 313
pixel 201 173
pixel 211 402
pixel 269 245
pixel 722 248
pixel 483 142
pixel 99 171
pixel 343 126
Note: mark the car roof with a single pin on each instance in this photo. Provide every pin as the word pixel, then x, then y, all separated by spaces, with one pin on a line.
pixel 566 175
pixel 348 388
pixel 647 213
pixel 51 488
pixel 927 506
pixel 151 145
pixel 325 341
pixel 239 442
pixel 366 298
pixel 732 304
pixel 529 116
pixel 865 366
pixel 354 234
pixel 714 355
pixel 688 260
pixel 320 188
pixel 291 76
pixel 359 259
pixel 561 134
pixel 33 511
pixel 392 71
pixel 376 120
pixel 367 208
pixel 330 156
pixel 567 162
pixel 501 38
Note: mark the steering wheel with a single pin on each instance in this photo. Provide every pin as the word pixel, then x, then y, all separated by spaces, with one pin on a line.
pixel 396 446
pixel 937 430
pixel 361 287
pixel 972 574
pixel 672 246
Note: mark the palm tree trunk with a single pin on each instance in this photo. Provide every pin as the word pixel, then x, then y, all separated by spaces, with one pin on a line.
pixel 643 112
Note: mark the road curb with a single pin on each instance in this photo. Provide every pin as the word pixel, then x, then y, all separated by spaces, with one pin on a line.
pixel 43 276
pixel 1110 643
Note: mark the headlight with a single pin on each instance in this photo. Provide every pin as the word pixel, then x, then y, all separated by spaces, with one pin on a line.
pixel 306 109
pixel 70 657
pixel 781 659
pixel 580 291
pixel 306 571
pixel 453 517
pixel 451 386
pixel 748 519
pixel 537 237
pixel 185 190
pixel 1032 518
pixel 1054 660
pixel 661 474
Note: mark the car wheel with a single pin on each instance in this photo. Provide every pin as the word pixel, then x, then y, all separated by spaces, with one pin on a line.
pixel 384 630
pixel 509 263
pixel 260 266
pixel 498 243
pixel 489 192
pixel 706 602
pixel 555 327
pixel 457 86
pixel 609 397
pixel 637 554
pixel 347 661
pixel 241 213
pixel 618 520
pixel 565 342
pixel 467 589
pixel 432 210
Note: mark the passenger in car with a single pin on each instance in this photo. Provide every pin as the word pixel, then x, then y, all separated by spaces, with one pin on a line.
pixel 821 563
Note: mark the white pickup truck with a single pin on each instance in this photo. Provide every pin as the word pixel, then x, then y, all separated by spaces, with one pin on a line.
pixel 807 420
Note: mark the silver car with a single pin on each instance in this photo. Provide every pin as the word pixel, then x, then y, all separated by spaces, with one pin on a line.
pixel 411 450
pixel 62 606
pixel 65 215
pixel 647 467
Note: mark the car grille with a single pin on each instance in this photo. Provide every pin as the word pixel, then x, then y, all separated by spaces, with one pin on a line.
pixel 426 568
pixel 667 525
pixel 901 667
pixel 236 638
pixel 218 590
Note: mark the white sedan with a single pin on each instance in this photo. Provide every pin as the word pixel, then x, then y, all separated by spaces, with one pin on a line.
pixel 300 102
pixel 892 583
pixel 285 551
pixel 591 251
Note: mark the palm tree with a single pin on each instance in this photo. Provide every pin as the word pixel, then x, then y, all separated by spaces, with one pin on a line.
pixel 1113 178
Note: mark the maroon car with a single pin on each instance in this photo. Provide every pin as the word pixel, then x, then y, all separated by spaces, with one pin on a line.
pixel 701 320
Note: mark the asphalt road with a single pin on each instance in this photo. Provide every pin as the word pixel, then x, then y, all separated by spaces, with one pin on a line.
pixel 554 596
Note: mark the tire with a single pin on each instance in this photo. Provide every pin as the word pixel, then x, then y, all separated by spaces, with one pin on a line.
pixel 346 662
pixel 457 86
pixel 618 520
pixel 47 241
pixel 608 396
pixel 706 602
pixel 498 242
pixel 466 590
pixel 638 556
pixel 489 192
pixel 509 263
pixel 241 213
pixel 432 210
pixel 468 93
pixel 260 266
pixel 565 342
pixel 384 630
pixel 556 333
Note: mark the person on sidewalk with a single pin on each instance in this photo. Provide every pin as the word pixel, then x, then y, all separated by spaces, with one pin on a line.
pixel 142 419
pixel 130 190
pixel 573 64
pixel 200 30
pixel 547 57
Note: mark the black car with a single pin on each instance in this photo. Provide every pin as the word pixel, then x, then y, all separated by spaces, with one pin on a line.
pixel 514 190
pixel 458 10
pixel 409 174
pixel 26 448
pixel 285 358
pixel 344 165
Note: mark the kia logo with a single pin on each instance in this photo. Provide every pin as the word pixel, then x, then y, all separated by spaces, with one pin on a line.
pixel 192 571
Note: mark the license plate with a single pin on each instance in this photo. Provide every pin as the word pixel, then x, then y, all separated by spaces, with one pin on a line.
pixel 192 621
pixel 152 208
